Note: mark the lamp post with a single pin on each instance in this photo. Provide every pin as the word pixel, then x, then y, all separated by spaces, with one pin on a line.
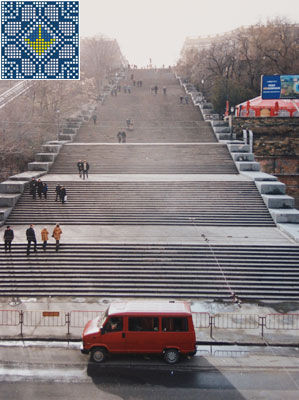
pixel 58 123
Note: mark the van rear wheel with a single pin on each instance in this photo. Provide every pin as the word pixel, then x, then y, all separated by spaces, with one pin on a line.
pixel 98 354
pixel 171 356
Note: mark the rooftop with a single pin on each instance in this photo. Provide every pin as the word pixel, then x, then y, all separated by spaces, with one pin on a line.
pixel 148 306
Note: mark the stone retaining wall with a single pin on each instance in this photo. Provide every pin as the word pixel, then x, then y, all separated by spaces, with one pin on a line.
pixel 276 147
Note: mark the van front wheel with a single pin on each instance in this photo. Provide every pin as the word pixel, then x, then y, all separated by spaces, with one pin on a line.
pixel 171 356
pixel 98 354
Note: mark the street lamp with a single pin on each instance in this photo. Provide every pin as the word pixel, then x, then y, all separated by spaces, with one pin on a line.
pixel 58 123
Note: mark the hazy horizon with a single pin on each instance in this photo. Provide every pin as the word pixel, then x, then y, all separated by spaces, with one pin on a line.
pixel 157 29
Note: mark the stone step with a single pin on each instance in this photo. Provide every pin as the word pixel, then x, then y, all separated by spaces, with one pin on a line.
pixel 248 166
pixel 192 271
pixel 278 201
pixel 285 216
pixel 10 187
pixel 131 158
pixel 239 148
pixel 271 188
pixel 8 200
pixel 45 157
pixel 51 148
pixel 221 129
pixel 27 176
pixel 243 156
pixel 181 203
pixel 39 166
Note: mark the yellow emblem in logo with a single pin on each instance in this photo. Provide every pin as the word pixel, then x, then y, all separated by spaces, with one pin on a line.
pixel 40 45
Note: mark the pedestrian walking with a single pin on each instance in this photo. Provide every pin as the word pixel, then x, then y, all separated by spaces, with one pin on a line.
pixel 62 194
pixel 30 235
pixel 94 117
pixel 57 190
pixel 187 99
pixel 156 89
pixel 45 190
pixel 123 137
pixel 85 169
pixel 119 136
pixel 45 237
pixel 129 89
pixel 32 188
pixel 56 235
pixel 164 90
pixel 181 99
pixel 8 238
pixel 80 167
pixel 128 122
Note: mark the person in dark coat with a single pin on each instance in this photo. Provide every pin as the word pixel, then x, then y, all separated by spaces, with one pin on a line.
pixel 85 169
pixel 32 188
pixel 62 194
pixel 8 238
pixel 94 117
pixel 119 136
pixel 57 190
pixel 45 189
pixel 80 168
pixel 39 188
pixel 30 235
pixel 123 137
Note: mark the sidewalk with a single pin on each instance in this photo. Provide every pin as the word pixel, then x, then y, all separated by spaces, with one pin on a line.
pixel 59 358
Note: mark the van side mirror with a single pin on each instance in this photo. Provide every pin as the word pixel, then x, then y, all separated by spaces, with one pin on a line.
pixel 102 331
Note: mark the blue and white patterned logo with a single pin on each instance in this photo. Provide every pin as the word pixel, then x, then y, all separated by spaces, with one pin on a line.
pixel 40 40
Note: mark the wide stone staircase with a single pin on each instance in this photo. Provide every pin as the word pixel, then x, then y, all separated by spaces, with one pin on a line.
pixel 172 175
pixel 146 159
pixel 172 271
pixel 164 203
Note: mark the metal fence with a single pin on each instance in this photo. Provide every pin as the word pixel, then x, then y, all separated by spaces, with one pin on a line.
pixel 71 321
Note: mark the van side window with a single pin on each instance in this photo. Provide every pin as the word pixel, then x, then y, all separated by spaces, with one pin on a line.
pixel 175 324
pixel 143 324
pixel 114 324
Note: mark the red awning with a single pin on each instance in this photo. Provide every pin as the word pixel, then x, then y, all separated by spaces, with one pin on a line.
pixel 258 105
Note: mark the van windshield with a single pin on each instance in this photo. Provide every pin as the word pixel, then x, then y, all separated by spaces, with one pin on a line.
pixel 102 319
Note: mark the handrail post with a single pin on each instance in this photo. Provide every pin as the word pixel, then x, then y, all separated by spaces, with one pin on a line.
pixel 21 321
pixel 262 324
pixel 68 322
pixel 211 323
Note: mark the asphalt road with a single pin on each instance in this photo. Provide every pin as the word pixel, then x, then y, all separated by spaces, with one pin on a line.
pixel 51 373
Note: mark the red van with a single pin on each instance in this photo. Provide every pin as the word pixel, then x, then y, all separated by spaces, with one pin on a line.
pixel 164 327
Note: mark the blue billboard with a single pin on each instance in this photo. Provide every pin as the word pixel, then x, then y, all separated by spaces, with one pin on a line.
pixel 280 87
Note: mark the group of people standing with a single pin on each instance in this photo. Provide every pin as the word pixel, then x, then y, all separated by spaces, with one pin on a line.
pixel 182 98
pixel 83 168
pixel 137 83
pixel 37 187
pixel 121 137
pixel 31 238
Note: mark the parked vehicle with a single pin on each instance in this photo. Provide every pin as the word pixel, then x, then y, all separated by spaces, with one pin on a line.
pixel 146 327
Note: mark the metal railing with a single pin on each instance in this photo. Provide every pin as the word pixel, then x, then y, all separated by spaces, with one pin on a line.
pixel 14 92
pixel 76 319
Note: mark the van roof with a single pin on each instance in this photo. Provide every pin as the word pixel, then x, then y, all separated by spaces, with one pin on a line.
pixel 149 307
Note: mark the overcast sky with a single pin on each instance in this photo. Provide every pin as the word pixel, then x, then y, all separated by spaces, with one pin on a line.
pixel 157 28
